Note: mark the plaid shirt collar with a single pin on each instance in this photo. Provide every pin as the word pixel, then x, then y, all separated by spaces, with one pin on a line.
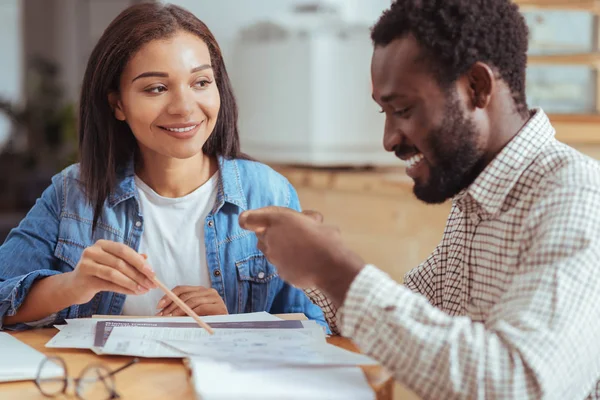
pixel 486 195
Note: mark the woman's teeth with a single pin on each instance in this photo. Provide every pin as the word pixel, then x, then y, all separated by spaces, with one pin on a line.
pixel 187 129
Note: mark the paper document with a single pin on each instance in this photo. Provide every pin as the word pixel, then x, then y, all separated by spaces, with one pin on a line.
pixel 241 346
pixel 20 361
pixel 80 333
pixel 104 328
pixel 212 380
pixel 158 341
pixel 289 352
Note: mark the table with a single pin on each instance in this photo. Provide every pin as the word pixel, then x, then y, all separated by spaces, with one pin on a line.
pixel 150 378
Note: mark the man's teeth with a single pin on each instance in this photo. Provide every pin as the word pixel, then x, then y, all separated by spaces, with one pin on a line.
pixel 187 129
pixel 414 160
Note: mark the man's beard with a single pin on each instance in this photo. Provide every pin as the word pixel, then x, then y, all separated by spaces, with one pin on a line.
pixel 457 157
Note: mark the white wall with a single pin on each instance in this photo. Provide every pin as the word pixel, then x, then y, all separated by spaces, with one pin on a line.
pixel 11 60
pixel 314 116
pixel 225 17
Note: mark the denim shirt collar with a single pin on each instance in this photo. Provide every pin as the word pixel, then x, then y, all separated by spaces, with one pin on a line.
pixel 230 187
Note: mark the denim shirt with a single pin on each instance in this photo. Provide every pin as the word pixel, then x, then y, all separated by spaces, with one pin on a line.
pixel 53 235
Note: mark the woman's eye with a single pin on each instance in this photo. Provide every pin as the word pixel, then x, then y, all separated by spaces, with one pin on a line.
pixel 203 83
pixel 156 89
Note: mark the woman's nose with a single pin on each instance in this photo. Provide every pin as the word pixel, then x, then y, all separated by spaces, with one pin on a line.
pixel 182 103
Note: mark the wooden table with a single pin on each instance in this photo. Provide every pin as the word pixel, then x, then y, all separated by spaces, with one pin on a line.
pixel 150 378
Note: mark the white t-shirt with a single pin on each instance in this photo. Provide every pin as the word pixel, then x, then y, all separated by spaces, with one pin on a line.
pixel 173 239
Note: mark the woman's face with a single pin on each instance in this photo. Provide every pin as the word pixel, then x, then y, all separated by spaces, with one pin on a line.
pixel 169 97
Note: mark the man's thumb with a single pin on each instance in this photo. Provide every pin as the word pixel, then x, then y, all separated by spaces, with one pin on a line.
pixel 315 215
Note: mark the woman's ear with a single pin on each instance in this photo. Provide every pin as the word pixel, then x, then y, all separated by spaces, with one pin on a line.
pixel 481 84
pixel 115 104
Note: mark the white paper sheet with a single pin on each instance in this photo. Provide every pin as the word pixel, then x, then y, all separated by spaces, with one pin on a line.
pixel 241 346
pixel 138 347
pixel 213 381
pixel 20 361
pixel 292 352
pixel 80 333
pixel 158 342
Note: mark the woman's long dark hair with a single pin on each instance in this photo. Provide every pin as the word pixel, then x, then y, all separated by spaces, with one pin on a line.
pixel 107 144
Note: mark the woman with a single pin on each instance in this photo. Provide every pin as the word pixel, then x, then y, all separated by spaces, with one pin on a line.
pixel 159 188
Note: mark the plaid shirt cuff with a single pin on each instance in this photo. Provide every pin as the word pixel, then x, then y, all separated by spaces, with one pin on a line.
pixel 372 297
pixel 329 310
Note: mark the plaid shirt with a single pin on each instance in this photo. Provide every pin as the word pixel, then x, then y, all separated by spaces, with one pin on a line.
pixel 509 301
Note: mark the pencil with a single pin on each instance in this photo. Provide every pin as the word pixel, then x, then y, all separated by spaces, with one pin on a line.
pixel 183 306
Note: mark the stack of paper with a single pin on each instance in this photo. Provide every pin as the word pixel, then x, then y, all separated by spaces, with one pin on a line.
pixel 255 347
pixel 81 333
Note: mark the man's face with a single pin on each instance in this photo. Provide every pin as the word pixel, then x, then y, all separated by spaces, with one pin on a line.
pixel 428 126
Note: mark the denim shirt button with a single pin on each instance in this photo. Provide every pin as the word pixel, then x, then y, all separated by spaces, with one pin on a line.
pixel 138 223
pixel 217 273
pixel 261 275
pixel 210 223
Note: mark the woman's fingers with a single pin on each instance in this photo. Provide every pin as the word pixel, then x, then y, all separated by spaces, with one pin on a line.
pixel 128 270
pixel 128 255
pixel 183 292
pixel 116 277
pixel 192 300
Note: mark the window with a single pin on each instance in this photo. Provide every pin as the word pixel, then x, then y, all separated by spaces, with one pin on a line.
pixel 564 59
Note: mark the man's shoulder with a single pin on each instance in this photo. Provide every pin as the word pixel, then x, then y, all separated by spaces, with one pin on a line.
pixel 561 180
pixel 561 166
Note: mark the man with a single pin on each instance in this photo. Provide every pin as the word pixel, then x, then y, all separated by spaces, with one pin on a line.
pixel 507 306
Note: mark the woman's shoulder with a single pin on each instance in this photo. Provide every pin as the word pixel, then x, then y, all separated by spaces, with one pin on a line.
pixel 69 173
pixel 65 178
pixel 253 168
pixel 260 184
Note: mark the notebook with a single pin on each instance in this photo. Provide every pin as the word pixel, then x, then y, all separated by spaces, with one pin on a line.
pixel 24 360
pixel 215 380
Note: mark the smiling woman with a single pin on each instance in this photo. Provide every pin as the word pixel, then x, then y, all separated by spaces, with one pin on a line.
pixel 161 174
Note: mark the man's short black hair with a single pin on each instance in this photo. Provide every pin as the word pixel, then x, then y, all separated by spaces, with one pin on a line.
pixel 455 34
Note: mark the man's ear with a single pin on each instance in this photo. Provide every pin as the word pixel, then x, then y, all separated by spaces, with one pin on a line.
pixel 115 104
pixel 481 84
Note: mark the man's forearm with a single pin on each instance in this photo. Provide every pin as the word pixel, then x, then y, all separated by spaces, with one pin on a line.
pixel 440 356
pixel 336 281
pixel 46 296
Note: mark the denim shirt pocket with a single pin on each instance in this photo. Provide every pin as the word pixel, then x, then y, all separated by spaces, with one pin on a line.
pixel 75 235
pixel 257 280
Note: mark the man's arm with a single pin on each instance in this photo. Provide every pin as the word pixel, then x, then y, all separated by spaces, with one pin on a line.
pixel 420 280
pixel 539 341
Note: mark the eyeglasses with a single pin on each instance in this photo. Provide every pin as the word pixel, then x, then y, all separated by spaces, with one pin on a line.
pixel 96 381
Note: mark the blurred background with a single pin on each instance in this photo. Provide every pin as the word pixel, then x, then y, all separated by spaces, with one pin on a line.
pixel 313 118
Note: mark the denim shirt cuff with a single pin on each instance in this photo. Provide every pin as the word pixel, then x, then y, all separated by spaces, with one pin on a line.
pixel 12 294
pixel 325 326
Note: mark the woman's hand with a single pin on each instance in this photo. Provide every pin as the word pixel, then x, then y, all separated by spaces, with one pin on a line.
pixel 203 301
pixel 110 266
